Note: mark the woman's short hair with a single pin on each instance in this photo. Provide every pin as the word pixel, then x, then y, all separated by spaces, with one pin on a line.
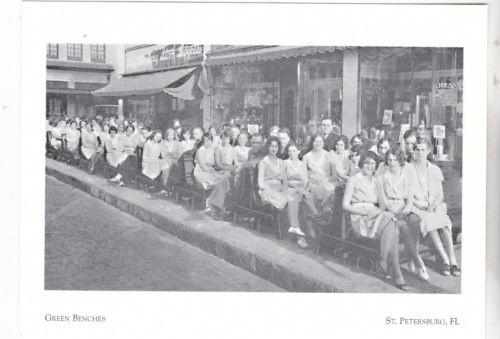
pixel 113 128
pixel 155 132
pixel 315 136
pixel 271 139
pixel 424 139
pixel 356 149
pixel 292 143
pixel 398 153
pixel 227 133
pixel 169 129
pixel 368 155
pixel 342 138
pixel 184 131
pixel 354 137
pixel 130 126
pixel 382 140
pixel 409 133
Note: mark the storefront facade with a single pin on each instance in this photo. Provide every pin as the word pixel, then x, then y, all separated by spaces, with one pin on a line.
pixel 359 88
pixel 159 84
pixel 73 72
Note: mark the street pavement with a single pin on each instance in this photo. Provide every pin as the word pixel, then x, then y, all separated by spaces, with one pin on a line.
pixel 90 245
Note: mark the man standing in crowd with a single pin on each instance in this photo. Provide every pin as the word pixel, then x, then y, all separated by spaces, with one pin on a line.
pixel 235 132
pixel 284 136
pixel 328 134
pixel 257 150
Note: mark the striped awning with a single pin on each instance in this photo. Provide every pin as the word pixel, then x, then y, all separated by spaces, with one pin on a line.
pixel 144 84
pixel 267 53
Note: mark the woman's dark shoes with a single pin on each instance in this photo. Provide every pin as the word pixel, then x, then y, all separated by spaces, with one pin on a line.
pixel 446 270
pixel 401 284
pixel 455 271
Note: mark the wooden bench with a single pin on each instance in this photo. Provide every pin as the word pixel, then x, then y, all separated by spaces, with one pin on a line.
pixel 142 181
pixel 249 204
pixel 187 187
pixel 50 151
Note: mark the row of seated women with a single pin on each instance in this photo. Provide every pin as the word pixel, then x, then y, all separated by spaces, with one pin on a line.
pixel 401 196
pixel 383 202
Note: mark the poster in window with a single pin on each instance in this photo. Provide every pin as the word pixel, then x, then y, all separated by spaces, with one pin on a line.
pixel 387 118
pixel 439 131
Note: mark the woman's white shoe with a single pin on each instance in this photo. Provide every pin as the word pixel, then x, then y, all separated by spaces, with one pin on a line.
pixel 296 230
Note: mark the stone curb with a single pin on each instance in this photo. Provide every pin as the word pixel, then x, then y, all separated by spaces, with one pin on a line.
pixel 278 262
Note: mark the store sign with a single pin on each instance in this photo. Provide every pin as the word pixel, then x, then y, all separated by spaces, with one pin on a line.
pixel 445 93
pixel 439 131
pixel 158 57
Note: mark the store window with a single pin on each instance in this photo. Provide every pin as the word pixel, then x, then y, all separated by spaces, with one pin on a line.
pixel 52 51
pixel 320 89
pixel 55 104
pixel 98 53
pixel 245 95
pixel 402 88
pixel 74 52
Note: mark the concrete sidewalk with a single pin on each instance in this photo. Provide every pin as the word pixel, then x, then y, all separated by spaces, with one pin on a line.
pixel 280 262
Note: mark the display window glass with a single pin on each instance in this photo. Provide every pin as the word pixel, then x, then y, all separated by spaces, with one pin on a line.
pixel 416 87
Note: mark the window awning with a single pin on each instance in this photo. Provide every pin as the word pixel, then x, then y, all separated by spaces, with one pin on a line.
pixel 143 84
pixel 267 53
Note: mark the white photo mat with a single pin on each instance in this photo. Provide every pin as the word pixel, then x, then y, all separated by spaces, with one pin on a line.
pixel 250 315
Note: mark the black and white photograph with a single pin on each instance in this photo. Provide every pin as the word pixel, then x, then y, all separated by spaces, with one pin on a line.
pixel 227 170
pixel 253 168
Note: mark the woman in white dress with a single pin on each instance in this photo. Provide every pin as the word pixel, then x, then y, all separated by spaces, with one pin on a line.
pixel 296 175
pixel 241 149
pixel 73 138
pixel 57 134
pixel 273 185
pixel 115 153
pixel 225 155
pixel 396 188
pixel 383 145
pixel 170 154
pixel 368 218
pixel 214 135
pixel 151 156
pixel 340 158
pixel 186 143
pixel 90 146
pixel 321 173
pixel 209 177
pixel 429 206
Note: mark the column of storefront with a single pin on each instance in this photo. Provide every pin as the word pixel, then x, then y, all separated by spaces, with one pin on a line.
pixel 350 89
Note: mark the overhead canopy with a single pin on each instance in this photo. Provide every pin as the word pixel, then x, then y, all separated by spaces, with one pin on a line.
pixel 143 84
pixel 267 53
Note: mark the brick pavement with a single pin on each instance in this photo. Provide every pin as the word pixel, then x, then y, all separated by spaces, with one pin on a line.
pixel 93 246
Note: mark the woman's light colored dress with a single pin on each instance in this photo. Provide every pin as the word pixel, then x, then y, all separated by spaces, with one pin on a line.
pixel 365 195
pixel 186 145
pixel 273 191
pixel 90 144
pixel 151 162
pixel 115 151
pixel 242 153
pixel 207 179
pixel 397 190
pixel 428 187
pixel 341 162
pixel 319 172
pixel 296 174
pixel 169 153
pixel 72 139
